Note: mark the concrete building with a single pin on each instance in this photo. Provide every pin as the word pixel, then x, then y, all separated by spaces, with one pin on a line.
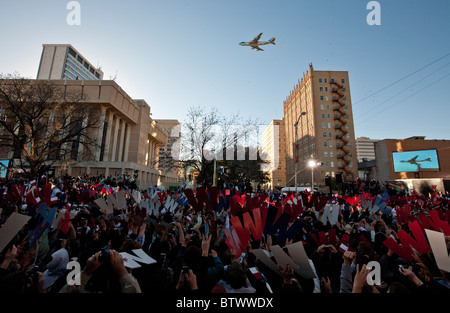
pixel 365 149
pixel 62 61
pixel 385 168
pixel 128 140
pixel 325 132
pixel 273 147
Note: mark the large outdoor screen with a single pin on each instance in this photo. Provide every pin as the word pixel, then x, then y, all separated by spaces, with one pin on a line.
pixel 416 161
pixel 3 168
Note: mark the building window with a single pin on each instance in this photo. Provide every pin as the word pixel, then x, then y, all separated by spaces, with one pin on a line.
pixel 325 80
pixel 323 115
pixel 332 165
pixel 325 144
pixel 331 144
pixel 343 81
pixel 331 154
pixel 326 164
pixel 329 115
pixel 322 107
pixel 343 89
pixel 346 107
pixel 321 97
pixel 72 53
pixel 325 154
pixel 329 125
pixel 321 89
pixel 329 134
pixel 324 125
pixel 324 134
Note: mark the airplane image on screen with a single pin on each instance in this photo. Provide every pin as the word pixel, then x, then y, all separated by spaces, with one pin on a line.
pixel 255 43
pixel 414 161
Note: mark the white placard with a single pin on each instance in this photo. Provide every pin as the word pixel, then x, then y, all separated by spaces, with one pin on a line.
pixel 11 227
pixel 439 249
pixel 298 253
pixel 131 261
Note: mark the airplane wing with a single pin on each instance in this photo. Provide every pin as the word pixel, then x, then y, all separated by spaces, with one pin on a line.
pixel 257 48
pixel 414 158
pixel 256 39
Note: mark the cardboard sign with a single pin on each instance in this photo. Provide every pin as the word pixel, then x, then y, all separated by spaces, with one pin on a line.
pixel 118 202
pixel 192 199
pixel 434 222
pixel 137 196
pixel 298 253
pixel 233 242
pixel 131 261
pixel 331 214
pixel 170 204
pixel 11 227
pixel 439 249
pixel 299 262
pixel 103 206
pixel 262 256
pixel 404 250
pixel 282 258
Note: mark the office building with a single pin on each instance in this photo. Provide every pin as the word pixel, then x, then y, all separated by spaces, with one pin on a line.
pixel 273 149
pixel 62 61
pixel 127 139
pixel 320 106
pixel 365 149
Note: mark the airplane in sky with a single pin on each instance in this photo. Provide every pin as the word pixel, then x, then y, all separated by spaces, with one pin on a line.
pixel 414 161
pixel 255 43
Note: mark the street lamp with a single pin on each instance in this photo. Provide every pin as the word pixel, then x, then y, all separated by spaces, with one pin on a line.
pixel 296 148
pixel 312 164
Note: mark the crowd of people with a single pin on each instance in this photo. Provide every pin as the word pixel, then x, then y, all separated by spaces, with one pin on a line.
pixel 190 249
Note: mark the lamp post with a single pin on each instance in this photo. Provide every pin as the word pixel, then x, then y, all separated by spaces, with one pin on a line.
pixel 296 149
pixel 312 164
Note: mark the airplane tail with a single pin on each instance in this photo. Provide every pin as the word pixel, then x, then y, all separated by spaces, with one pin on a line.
pixel 272 40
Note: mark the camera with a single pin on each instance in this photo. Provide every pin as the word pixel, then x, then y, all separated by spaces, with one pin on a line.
pixel 33 273
pixel 185 269
pixel 104 255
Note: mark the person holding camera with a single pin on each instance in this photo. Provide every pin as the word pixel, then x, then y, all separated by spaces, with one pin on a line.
pixel 105 257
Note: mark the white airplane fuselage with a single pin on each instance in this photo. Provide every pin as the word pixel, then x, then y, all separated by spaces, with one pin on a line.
pixel 261 43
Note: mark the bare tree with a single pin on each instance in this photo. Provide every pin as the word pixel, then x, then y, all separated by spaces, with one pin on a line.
pixel 207 136
pixel 44 124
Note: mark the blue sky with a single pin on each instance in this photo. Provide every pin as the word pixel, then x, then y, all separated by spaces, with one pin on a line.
pixel 178 54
